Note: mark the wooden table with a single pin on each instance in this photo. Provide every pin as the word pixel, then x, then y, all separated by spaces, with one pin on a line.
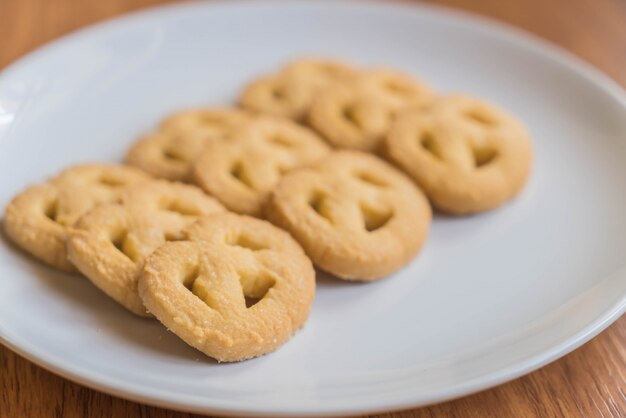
pixel 591 381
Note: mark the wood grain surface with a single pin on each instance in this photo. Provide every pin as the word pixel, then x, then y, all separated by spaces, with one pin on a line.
pixel 589 382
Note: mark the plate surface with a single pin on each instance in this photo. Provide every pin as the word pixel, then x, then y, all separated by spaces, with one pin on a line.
pixel 490 298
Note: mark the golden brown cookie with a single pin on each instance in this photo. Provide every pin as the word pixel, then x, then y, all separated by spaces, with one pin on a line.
pixel 289 93
pixel 348 117
pixel 357 114
pixel 38 219
pixel 234 288
pixel 467 155
pixel 169 151
pixel 356 216
pixel 111 242
pixel 240 173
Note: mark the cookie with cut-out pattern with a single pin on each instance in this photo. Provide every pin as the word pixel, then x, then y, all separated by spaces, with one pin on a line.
pixel 467 155
pixel 234 287
pixel 289 93
pixel 111 242
pixel 357 114
pixel 241 173
pixel 39 218
pixel 356 216
pixel 169 151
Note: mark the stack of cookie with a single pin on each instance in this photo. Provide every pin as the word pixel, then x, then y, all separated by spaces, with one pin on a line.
pixel 467 155
pixel 214 225
pixel 233 286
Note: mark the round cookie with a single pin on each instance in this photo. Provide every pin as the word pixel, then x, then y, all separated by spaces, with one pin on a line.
pixel 235 288
pixel 289 93
pixel 241 173
pixel 110 243
pixel 355 215
pixel 350 117
pixel 467 155
pixel 38 219
pixel 169 151
pixel 357 115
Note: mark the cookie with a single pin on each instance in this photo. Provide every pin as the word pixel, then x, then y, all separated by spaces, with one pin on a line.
pixel 234 288
pixel 467 155
pixel 357 115
pixel 240 173
pixel 348 117
pixel 38 219
pixel 356 216
pixel 111 242
pixel 289 93
pixel 168 152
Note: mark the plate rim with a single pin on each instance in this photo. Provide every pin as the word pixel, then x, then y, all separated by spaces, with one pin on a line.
pixel 548 50
pixel 112 385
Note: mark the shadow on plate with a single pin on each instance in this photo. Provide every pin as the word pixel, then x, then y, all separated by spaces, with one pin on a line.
pixel 97 310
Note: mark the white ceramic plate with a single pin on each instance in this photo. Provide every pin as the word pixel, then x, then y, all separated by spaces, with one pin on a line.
pixel 490 298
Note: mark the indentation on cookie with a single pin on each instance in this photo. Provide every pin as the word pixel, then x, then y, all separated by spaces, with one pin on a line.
pixel 349 113
pixel 173 236
pixel 371 179
pixel 174 156
pixel 282 170
pixel 190 281
pixel 427 142
pixel 278 94
pixel 245 241
pixel 111 181
pixel 238 172
pixel 51 210
pixel 483 155
pixel 316 202
pixel 280 141
pixel 121 242
pixel 181 208
pixel 255 286
pixel 374 218
pixel 215 121
pixel 250 301
pixel 190 277
pixel 479 116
